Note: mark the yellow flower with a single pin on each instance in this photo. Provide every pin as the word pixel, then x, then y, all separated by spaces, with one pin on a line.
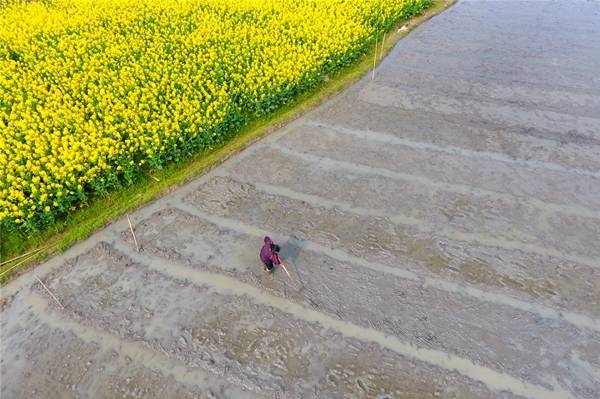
pixel 112 85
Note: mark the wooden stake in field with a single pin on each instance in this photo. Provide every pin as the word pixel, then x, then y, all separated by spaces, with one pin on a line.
pixel 137 247
pixel 50 292
pixel 374 58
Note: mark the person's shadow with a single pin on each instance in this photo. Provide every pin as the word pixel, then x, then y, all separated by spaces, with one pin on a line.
pixel 290 253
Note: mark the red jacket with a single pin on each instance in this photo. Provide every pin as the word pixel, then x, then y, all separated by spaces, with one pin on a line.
pixel 267 255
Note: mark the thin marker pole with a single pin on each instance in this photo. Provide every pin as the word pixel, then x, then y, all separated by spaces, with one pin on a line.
pixel 374 58
pixel 137 247
pixel 50 292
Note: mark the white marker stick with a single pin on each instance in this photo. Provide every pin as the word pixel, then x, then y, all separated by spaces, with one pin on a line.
pixel 137 248
pixel 374 58
pixel 50 292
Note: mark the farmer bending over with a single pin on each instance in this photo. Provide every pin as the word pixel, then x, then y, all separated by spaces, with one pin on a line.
pixel 269 254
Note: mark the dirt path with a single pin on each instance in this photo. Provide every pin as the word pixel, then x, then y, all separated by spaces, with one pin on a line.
pixel 441 223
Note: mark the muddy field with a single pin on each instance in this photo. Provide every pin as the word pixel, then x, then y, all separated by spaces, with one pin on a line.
pixel 440 223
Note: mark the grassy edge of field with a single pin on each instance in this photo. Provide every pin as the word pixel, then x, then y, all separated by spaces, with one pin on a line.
pixel 29 250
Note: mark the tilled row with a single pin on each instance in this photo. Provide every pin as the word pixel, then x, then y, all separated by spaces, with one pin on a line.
pixel 569 149
pixel 529 70
pixel 574 102
pixel 493 112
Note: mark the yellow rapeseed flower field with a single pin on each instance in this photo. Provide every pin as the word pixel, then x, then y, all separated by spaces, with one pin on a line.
pixel 92 91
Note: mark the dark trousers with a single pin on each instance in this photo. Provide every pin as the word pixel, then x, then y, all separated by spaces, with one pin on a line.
pixel 269 265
